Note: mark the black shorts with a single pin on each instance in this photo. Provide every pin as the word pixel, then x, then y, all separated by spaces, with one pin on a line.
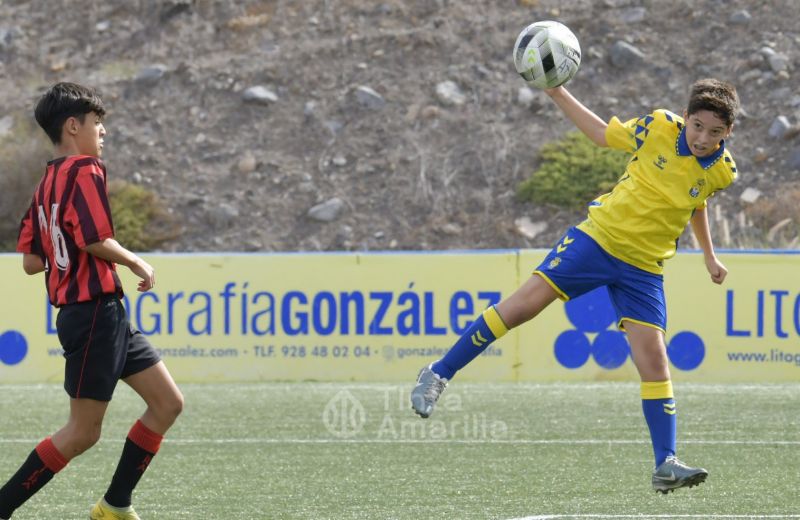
pixel 100 347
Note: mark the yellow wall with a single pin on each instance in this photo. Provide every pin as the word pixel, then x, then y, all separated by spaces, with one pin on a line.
pixel 380 317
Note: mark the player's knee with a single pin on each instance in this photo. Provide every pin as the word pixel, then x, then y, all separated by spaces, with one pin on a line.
pixel 660 368
pixel 83 438
pixel 177 406
pixel 169 409
pixel 655 371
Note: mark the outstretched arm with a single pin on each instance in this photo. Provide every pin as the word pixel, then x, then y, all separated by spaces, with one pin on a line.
pixel 702 232
pixel 587 121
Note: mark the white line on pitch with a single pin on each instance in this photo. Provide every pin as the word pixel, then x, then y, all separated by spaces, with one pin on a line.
pixel 565 442
pixel 644 516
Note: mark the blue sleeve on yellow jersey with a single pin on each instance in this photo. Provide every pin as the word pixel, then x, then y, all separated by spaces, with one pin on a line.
pixel 632 134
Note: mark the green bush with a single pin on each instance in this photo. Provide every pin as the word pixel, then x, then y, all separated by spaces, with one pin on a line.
pixel 140 221
pixel 573 172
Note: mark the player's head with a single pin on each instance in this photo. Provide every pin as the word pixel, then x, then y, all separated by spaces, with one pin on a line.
pixel 72 116
pixel 713 105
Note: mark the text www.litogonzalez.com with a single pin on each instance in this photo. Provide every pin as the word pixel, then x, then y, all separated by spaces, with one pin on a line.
pixel 773 356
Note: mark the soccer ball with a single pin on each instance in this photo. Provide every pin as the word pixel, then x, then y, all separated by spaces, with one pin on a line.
pixel 547 54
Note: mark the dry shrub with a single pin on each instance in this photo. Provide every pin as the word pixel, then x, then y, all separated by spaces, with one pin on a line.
pixel 241 23
pixel 257 15
pixel 24 153
pixel 777 216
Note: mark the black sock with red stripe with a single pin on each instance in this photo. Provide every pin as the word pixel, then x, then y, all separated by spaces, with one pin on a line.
pixel 140 447
pixel 37 470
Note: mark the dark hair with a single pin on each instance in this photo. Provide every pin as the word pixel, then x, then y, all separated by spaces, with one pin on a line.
pixel 62 101
pixel 716 96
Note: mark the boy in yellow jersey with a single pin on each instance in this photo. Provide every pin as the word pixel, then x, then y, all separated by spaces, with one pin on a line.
pixel 676 164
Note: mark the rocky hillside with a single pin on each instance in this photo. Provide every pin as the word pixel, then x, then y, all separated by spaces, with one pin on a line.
pixel 318 125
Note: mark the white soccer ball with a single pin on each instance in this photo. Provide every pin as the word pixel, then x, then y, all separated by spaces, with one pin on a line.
pixel 547 54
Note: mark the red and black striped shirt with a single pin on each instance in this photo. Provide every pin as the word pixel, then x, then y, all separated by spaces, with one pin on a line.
pixel 70 211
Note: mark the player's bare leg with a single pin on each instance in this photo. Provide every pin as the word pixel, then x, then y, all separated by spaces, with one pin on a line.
pixel 527 302
pixel 524 304
pixel 649 351
pixel 164 400
pixel 650 357
pixel 83 428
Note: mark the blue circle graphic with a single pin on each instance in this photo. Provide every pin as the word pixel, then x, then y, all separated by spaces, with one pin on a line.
pixel 591 312
pixel 572 349
pixel 13 347
pixel 610 349
pixel 686 350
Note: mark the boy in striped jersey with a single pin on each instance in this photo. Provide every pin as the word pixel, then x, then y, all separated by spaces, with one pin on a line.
pixel 68 234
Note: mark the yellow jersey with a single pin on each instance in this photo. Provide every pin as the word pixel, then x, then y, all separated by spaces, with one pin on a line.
pixel 641 219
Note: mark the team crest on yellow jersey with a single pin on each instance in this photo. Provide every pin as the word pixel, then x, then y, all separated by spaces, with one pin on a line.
pixel 554 262
pixel 698 186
